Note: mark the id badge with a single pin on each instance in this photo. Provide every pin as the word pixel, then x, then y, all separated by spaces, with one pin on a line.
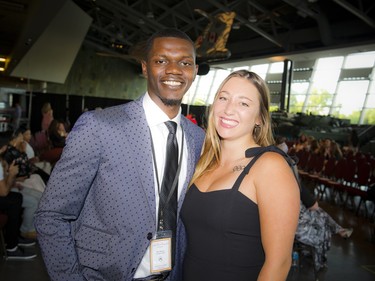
pixel 161 252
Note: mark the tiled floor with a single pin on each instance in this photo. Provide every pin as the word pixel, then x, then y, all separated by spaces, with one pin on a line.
pixel 348 260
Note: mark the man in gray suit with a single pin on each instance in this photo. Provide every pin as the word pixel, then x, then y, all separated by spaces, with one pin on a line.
pixel 99 213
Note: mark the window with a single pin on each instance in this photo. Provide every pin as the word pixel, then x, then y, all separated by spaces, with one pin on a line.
pixel 298 96
pixel 350 99
pixel 277 67
pixel 360 60
pixel 342 86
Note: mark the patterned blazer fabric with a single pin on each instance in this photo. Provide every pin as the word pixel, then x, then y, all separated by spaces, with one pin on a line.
pixel 97 215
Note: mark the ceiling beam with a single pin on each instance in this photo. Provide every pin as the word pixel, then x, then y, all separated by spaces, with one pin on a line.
pixel 323 24
pixel 356 12
pixel 268 13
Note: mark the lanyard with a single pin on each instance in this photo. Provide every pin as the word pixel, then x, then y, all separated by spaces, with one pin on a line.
pixel 174 185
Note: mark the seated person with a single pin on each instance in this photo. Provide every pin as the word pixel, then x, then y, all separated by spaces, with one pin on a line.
pixel 57 134
pixel 30 202
pixel 315 226
pixel 29 150
pixel 47 113
pixel 16 150
pixel 28 183
pixel 11 205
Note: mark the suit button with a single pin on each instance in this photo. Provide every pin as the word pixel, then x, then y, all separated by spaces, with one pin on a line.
pixel 149 236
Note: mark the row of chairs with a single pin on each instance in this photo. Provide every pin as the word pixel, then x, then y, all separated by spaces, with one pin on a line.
pixel 347 178
pixel 338 180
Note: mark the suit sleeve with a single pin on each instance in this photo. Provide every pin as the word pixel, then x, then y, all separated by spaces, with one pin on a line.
pixel 64 198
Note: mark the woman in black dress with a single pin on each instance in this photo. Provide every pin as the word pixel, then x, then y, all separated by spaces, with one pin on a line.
pixel 241 211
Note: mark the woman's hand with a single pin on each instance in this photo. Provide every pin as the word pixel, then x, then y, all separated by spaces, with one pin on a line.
pixel 13 169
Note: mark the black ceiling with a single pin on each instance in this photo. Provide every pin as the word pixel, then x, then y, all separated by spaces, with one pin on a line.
pixel 261 27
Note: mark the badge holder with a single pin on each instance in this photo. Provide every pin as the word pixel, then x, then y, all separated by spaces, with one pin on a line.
pixel 161 252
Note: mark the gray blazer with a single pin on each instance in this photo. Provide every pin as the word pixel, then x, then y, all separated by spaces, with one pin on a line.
pixel 97 214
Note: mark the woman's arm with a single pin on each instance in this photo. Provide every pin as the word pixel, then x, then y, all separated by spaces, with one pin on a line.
pixel 278 199
pixel 7 178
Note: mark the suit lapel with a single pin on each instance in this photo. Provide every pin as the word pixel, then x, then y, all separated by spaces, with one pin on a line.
pixel 191 158
pixel 138 134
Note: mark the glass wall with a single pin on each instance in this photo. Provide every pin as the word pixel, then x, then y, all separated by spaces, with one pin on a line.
pixel 341 86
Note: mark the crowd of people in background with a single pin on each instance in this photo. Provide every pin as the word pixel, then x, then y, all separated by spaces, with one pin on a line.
pixel 24 172
pixel 326 146
pixel 315 226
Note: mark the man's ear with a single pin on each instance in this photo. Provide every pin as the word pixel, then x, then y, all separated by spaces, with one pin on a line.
pixel 144 68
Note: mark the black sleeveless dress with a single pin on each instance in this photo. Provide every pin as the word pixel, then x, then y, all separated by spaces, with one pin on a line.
pixel 223 232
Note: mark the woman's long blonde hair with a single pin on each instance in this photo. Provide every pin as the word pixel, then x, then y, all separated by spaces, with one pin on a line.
pixel 262 134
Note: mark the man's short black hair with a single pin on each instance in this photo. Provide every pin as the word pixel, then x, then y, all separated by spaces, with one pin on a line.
pixel 168 32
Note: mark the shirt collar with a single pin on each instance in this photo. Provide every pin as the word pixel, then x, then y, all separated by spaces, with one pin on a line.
pixel 154 115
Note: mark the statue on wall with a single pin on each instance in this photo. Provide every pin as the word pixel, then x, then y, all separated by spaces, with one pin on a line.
pixel 211 45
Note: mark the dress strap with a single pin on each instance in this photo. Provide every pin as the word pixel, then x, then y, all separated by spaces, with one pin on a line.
pixel 256 152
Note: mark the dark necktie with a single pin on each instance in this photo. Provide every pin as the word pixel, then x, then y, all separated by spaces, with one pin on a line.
pixel 167 201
